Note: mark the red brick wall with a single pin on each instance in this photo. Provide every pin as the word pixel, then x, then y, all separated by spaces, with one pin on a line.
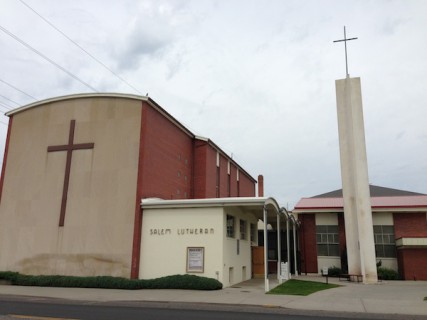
pixel 223 166
pixel 233 181
pixel 205 171
pixel 167 158
pixel 410 224
pixel 247 186
pixel 308 243
pixel 210 189
pixel 412 263
pixel 199 178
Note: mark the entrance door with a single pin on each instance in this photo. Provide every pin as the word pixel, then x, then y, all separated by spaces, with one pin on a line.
pixel 258 262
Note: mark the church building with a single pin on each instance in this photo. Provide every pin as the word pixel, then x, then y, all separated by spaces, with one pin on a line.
pixel 75 170
pixel 399 224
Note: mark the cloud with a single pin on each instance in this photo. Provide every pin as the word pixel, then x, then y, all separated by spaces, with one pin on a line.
pixel 151 33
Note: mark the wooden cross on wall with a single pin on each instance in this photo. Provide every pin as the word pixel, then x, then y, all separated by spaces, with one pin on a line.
pixel 70 147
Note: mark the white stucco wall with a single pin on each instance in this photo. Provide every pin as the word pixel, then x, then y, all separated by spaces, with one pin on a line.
pixel 237 267
pixel 166 254
pixel 166 235
pixel 326 219
pixel 98 232
pixel 382 218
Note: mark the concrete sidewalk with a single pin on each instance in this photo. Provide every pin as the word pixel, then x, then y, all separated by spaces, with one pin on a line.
pixel 387 297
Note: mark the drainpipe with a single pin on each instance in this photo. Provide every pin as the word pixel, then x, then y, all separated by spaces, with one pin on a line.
pixel 295 247
pixel 279 248
pixel 266 284
pixel 288 246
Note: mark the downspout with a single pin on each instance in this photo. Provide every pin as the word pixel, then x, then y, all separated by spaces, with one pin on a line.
pixel 288 246
pixel 295 246
pixel 279 248
pixel 266 284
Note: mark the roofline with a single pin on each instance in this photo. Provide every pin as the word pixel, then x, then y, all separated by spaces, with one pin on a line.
pixel 417 208
pixel 215 146
pixel 207 202
pixel 76 96
pixel 147 99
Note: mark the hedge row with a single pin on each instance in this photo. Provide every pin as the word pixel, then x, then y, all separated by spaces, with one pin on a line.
pixel 387 274
pixel 189 282
pixel 383 273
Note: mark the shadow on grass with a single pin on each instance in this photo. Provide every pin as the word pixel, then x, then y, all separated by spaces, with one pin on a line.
pixel 301 288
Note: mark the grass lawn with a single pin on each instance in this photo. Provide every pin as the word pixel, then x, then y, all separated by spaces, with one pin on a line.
pixel 301 288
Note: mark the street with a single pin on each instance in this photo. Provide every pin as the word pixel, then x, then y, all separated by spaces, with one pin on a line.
pixel 27 309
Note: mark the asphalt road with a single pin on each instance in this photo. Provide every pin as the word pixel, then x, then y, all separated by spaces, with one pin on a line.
pixel 45 309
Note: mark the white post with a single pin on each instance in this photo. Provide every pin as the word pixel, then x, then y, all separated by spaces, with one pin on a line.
pixel 295 248
pixel 266 284
pixel 288 246
pixel 279 248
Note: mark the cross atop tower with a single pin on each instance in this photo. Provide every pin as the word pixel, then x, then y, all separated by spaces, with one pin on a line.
pixel 345 46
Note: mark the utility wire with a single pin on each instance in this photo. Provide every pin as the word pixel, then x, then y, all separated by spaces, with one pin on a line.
pixel 46 58
pixel 80 47
pixel 12 86
pixel 5 106
pixel 10 100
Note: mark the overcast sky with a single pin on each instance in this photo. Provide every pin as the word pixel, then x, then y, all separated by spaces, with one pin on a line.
pixel 256 77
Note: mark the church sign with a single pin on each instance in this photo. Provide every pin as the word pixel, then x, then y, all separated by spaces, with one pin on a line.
pixel 195 259
pixel 181 231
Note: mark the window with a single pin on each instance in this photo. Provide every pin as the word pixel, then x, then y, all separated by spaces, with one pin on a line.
pixel 230 226
pixel 385 246
pixel 243 232
pixel 253 232
pixel 327 241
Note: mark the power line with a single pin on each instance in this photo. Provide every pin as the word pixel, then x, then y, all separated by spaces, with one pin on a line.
pixel 80 47
pixel 18 104
pixel 46 58
pixel 5 106
pixel 12 86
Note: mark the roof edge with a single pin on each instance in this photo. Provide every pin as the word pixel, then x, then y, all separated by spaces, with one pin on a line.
pixel 205 202
pixel 76 96
pixel 147 99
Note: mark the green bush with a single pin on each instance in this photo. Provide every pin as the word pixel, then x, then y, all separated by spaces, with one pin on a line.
pixel 8 275
pixel 190 282
pixel 387 274
pixel 334 271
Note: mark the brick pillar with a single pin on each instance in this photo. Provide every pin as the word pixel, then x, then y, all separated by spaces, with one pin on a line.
pixel 260 186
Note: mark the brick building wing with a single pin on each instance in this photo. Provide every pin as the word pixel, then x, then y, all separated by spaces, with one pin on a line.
pixel 400 231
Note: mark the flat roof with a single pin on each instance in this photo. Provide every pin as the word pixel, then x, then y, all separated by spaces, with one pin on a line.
pixel 337 204
pixel 253 204
pixel 209 202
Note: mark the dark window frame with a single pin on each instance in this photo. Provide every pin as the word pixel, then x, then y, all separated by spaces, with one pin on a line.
pixel 231 227
pixel 327 240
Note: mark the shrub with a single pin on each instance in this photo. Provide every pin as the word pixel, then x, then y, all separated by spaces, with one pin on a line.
pixel 387 274
pixel 334 271
pixel 8 275
pixel 190 282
